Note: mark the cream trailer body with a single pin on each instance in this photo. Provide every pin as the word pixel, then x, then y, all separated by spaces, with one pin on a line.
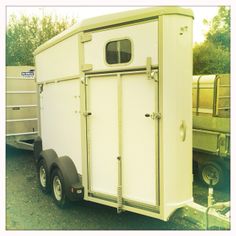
pixel 115 111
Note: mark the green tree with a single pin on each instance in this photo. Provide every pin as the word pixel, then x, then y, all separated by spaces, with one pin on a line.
pixel 24 35
pixel 219 33
pixel 213 55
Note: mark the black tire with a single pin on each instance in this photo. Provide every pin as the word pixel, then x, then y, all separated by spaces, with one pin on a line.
pixel 212 170
pixel 58 188
pixel 43 176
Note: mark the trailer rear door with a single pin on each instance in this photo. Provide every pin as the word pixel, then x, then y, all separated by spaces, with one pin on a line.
pixel 122 118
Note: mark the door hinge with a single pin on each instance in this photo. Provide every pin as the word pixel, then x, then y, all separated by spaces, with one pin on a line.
pixel 86 67
pixel 149 67
pixel 151 74
pixel 85 37
pixel 84 81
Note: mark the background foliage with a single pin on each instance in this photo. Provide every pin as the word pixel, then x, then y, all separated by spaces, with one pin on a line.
pixel 213 55
pixel 25 34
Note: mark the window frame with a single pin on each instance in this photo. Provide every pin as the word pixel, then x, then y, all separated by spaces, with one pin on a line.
pixel 119 64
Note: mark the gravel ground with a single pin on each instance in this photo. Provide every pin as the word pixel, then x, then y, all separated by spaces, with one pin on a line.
pixel 28 208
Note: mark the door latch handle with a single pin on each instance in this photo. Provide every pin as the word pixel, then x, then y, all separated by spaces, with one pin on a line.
pixel 154 115
pixel 87 113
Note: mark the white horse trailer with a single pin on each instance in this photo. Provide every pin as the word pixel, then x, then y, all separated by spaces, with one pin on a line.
pixel 115 105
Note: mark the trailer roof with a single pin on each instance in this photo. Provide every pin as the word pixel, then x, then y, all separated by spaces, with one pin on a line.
pixel 129 16
pixel 114 19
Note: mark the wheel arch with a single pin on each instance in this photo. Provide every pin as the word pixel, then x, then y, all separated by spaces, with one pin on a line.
pixel 37 148
pixel 44 162
pixel 49 156
pixel 69 173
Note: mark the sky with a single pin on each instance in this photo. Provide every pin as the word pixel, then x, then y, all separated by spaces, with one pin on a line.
pixel 80 13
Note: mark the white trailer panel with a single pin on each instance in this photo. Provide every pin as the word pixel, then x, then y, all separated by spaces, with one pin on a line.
pixel 103 134
pixel 139 165
pixel 143 39
pixel 176 101
pixel 59 61
pixel 60 119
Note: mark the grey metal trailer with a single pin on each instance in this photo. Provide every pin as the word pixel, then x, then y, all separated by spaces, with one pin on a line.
pixel 21 107
pixel 211 128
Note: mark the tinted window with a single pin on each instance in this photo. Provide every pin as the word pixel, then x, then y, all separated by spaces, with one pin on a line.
pixel 118 51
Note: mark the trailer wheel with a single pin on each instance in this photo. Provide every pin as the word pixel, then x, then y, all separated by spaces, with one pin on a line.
pixel 58 188
pixel 212 170
pixel 43 176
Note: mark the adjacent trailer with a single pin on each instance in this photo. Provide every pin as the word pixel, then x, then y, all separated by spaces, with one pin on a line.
pixel 115 106
pixel 211 127
pixel 21 107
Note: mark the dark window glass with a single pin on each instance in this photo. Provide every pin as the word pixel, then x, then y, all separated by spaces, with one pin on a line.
pixel 112 53
pixel 125 51
pixel 118 51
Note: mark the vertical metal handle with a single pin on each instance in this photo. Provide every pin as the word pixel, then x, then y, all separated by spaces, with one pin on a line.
pixel 182 129
pixel 119 187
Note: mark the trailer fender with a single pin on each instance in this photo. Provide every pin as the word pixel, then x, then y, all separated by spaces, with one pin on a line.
pixel 72 180
pixel 44 164
pixel 50 156
pixel 38 147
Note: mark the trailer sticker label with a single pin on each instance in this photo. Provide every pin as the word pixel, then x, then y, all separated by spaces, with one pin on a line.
pixel 28 74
